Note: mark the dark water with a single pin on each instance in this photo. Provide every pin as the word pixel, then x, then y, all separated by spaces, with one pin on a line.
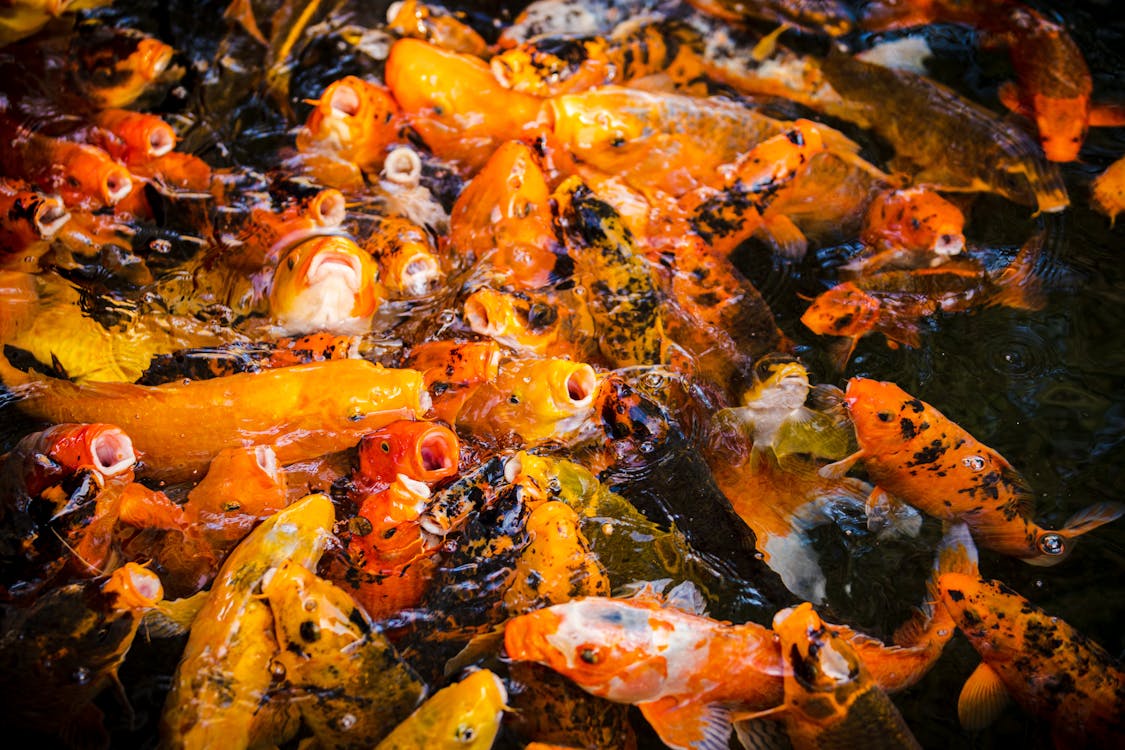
pixel 1043 388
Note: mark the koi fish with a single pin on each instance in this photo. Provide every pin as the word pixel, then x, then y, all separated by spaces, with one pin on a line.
pixel 1107 191
pixel 348 681
pixel 83 175
pixel 530 323
pixel 502 219
pixel 1053 83
pixel 557 565
pixel 326 283
pixel 1051 670
pixel 414 19
pixel 224 673
pixel 22 19
pixel 32 219
pixel 918 455
pixel 533 400
pixel 270 232
pixel 391 548
pixel 443 95
pixel 409 266
pixel 463 716
pixel 354 121
pixel 322 407
pixel 919 117
pixel 624 300
pixel 60 651
pixel 120 67
pixel 830 697
pixel 424 451
pixel 894 302
pixel 240 483
pixel 685 672
pixel 133 138
pixel 909 228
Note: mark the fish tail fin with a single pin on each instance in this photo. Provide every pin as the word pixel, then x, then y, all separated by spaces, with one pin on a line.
pixel 956 553
pixel 1056 546
pixel 1020 285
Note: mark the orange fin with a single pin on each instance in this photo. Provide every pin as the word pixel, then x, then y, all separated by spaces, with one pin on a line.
pixel 838 469
pixel 1107 115
pixel 1009 94
pixel 767 45
pixel 956 553
pixel 982 699
pixel 786 237
pixel 1020 287
pixel 1091 518
pixel 691 725
pixel 241 12
pixel 840 351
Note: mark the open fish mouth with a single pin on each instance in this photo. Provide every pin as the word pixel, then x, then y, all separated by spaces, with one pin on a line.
pixel 116 184
pixel 334 266
pixel 113 452
pixel 345 101
pixel 438 451
pixel 483 318
pixel 161 140
pixel 50 216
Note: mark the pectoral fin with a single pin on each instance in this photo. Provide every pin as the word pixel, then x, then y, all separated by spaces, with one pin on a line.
pixel 691 725
pixel 763 731
pixel 838 469
pixel 1009 94
pixel 982 699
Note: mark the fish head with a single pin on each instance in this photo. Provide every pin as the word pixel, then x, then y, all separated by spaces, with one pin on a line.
pixel 541 67
pixel 634 423
pixel 843 310
pixel 354 119
pixel 1062 124
pixel 117 67
pixel 817 660
pixel 102 448
pixel 426 451
pixel 136 587
pixel 512 319
pixel 465 715
pixel 879 409
pixel 918 219
pixel 1049 547
pixel 600 119
pixel 546 396
pixel 780 382
pixel 242 479
pixel 325 283
pixel 46 213
pixel 608 647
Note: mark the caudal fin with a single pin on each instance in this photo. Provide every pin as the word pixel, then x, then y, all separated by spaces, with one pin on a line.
pixel 956 553
pixel 1056 546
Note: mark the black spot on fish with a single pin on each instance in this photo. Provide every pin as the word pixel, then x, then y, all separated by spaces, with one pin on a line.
pixel 916 405
pixel 907 428
pixel 930 453
pixel 956 595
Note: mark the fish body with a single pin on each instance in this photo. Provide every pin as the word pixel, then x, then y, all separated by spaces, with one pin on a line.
pixel 952 143
pixel 451 371
pixel 831 699
pixel 684 671
pixel 348 681
pixel 894 302
pixel 463 716
pixel 303 411
pixel 224 673
pixel 133 138
pixel 503 218
pixel 830 17
pixel 421 21
pixel 453 102
pixel 240 482
pixel 919 455
pixel 910 228
pixel 1051 670
pixel 1107 191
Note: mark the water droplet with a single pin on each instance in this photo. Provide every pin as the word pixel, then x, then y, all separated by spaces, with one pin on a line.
pixel 82 675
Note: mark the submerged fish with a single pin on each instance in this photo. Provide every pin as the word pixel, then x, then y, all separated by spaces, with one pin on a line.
pixel 830 697
pixel 921 457
pixel 1051 670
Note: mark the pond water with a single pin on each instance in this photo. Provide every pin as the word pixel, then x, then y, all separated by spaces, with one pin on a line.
pixel 1045 388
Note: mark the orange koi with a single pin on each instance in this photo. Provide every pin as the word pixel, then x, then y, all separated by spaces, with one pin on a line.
pixel 31 219
pixel 355 121
pixel 326 283
pixel 84 176
pixel 463 716
pixel 240 481
pixel 409 266
pixel 175 172
pixel 116 68
pixel 25 17
pixel 685 672
pixel 391 548
pixel 912 451
pixel 424 451
pixel 503 219
pixel 303 411
pixel 532 400
pixel 894 302
pixel 133 137
pixel 451 371
pixel 420 21
pixel 909 228
pixel 525 324
pixel 1107 191
pixel 455 104
pixel 1051 670
pixel 271 232
pixel 830 696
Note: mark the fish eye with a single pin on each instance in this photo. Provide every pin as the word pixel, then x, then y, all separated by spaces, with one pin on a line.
pixel 385 447
pixel 589 655
pixel 1052 544
pixel 464 733
pixel 885 416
